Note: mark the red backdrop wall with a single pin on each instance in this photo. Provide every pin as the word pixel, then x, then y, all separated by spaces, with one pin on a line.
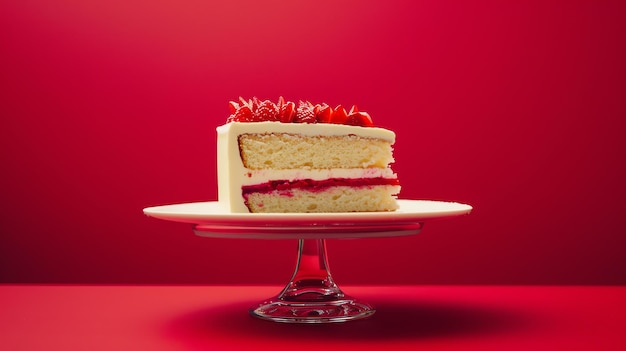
pixel 517 108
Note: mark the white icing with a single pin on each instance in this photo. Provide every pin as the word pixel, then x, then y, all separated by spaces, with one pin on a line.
pixel 231 173
pixel 324 129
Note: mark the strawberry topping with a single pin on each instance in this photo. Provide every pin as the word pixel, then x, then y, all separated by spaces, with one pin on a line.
pixel 255 110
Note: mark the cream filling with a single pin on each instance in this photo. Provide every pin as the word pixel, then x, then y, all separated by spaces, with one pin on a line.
pixel 264 176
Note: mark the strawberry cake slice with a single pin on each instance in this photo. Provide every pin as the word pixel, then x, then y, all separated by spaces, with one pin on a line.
pixel 288 157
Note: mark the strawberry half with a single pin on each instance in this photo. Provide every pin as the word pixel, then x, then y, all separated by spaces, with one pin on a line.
pixel 323 113
pixel 362 119
pixel 339 116
pixel 281 102
pixel 287 112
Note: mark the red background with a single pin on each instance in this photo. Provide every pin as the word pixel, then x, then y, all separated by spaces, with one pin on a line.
pixel 517 108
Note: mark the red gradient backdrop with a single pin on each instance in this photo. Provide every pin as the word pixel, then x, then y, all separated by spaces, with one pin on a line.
pixel 515 107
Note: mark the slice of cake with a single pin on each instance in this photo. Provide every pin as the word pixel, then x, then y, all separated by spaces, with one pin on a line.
pixel 305 158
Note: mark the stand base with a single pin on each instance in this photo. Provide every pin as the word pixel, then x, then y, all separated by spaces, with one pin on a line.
pixel 311 296
pixel 333 311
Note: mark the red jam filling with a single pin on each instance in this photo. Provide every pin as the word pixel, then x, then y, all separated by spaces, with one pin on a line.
pixel 255 110
pixel 284 186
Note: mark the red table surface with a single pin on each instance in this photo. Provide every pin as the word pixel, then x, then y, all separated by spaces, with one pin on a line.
pixel 69 317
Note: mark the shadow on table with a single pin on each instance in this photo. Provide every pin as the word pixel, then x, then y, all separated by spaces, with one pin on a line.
pixel 392 320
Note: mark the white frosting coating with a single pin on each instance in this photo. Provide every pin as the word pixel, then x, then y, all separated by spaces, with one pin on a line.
pixel 231 173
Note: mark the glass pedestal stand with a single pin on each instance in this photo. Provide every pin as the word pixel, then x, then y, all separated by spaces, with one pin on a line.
pixel 311 296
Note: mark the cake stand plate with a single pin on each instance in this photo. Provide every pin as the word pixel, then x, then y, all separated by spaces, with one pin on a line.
pixel 311 296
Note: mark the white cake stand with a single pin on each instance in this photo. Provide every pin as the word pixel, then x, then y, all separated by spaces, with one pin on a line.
pixel 311 296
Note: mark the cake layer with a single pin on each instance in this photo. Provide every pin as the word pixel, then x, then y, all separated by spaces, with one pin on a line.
pixel 332 199
pixel 289 151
